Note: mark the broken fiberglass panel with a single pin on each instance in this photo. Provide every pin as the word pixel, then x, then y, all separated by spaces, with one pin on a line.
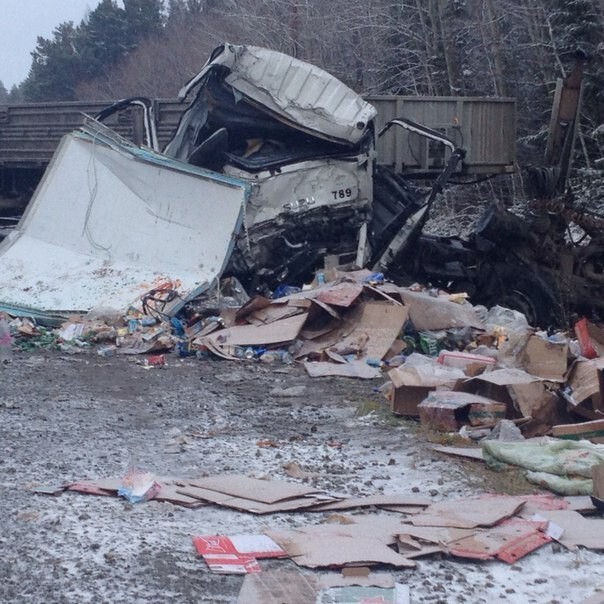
pixel 110 222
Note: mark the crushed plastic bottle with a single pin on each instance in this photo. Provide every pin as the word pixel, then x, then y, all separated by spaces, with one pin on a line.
pixel 6 341
pixel 244 352
pixel 277 356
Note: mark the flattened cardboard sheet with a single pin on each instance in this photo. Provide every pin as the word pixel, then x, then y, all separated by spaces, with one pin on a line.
pixel 375 500
pixel 265 491
pixel 469 513
pixel 354 369
pixel 508 541
pixel 284 330
pixel 342 294
pixel 467 452
pixel 545 358
pixel 578 530
pixel 248 505
pixel 506 377
pixel 314 551
pixel 381 322
pixel 583 381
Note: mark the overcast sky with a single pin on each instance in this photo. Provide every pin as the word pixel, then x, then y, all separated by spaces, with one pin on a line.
pixel 22 21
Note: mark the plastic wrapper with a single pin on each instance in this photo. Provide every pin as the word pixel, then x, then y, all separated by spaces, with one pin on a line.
pixel 138 486
pixel 511 331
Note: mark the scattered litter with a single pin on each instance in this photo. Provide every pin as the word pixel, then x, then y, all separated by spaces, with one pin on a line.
pixel 236 554
pixel 137 486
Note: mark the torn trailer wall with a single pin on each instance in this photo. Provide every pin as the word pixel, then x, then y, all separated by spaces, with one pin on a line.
pixel 109 222
pixel 277 142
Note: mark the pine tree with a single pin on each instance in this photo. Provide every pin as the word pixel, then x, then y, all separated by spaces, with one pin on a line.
pixel 56 66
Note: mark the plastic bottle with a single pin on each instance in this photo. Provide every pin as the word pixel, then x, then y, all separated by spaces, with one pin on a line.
pixel 277 356
pixel 6 341
pixel 242 352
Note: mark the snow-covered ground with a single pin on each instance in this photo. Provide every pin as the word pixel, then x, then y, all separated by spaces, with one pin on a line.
pixel 71 417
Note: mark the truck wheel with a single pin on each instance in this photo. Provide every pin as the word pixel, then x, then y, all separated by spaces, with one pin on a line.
pixel 531 295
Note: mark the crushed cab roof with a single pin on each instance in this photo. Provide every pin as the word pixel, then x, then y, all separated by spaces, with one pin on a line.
pixel 294 91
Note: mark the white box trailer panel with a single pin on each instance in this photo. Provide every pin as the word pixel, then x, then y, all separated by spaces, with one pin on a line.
pixel 109 222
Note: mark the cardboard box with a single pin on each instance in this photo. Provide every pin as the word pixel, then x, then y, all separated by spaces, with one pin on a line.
pixel 583 383
pixel 411 386
pixel 446 411
pixel 545 358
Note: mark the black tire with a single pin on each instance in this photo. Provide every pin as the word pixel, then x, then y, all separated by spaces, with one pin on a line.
pixel 522 289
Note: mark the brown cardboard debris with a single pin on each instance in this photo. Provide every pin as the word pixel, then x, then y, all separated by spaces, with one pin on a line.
pixel 469 513
pixel 277 312
pixel 169 492
pixel 354 571
pixel 578 531
pixel 383 292
pixel 317 304
pixel 252 495
pixel 375 500
pixel 546 359
pixel 436 534
pixel 580 503
pixel 411 386
pixel 408 510
pixel 445 410
pixel 529 399
pixel 277 332
pixel 507 377
pixel 248 505
pixel 355 369
pixel 380 322
pixel 429 313
pixel 377 526
pixel 583 382
pixel 342 294
pixel 593 431
pixel 412 548
pixel 264 491
pixel 252 305
pixel 315 551
pixel 467 452
pixel 313 334
pixel 321 341
pixel 508 541
pixel 528 394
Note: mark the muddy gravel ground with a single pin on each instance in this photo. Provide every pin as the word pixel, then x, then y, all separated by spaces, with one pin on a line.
pixel 71 417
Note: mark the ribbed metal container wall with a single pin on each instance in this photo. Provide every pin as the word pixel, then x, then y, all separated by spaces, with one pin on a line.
pixel 485 127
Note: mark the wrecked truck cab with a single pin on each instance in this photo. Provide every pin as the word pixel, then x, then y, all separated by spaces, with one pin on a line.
pixel 302 139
